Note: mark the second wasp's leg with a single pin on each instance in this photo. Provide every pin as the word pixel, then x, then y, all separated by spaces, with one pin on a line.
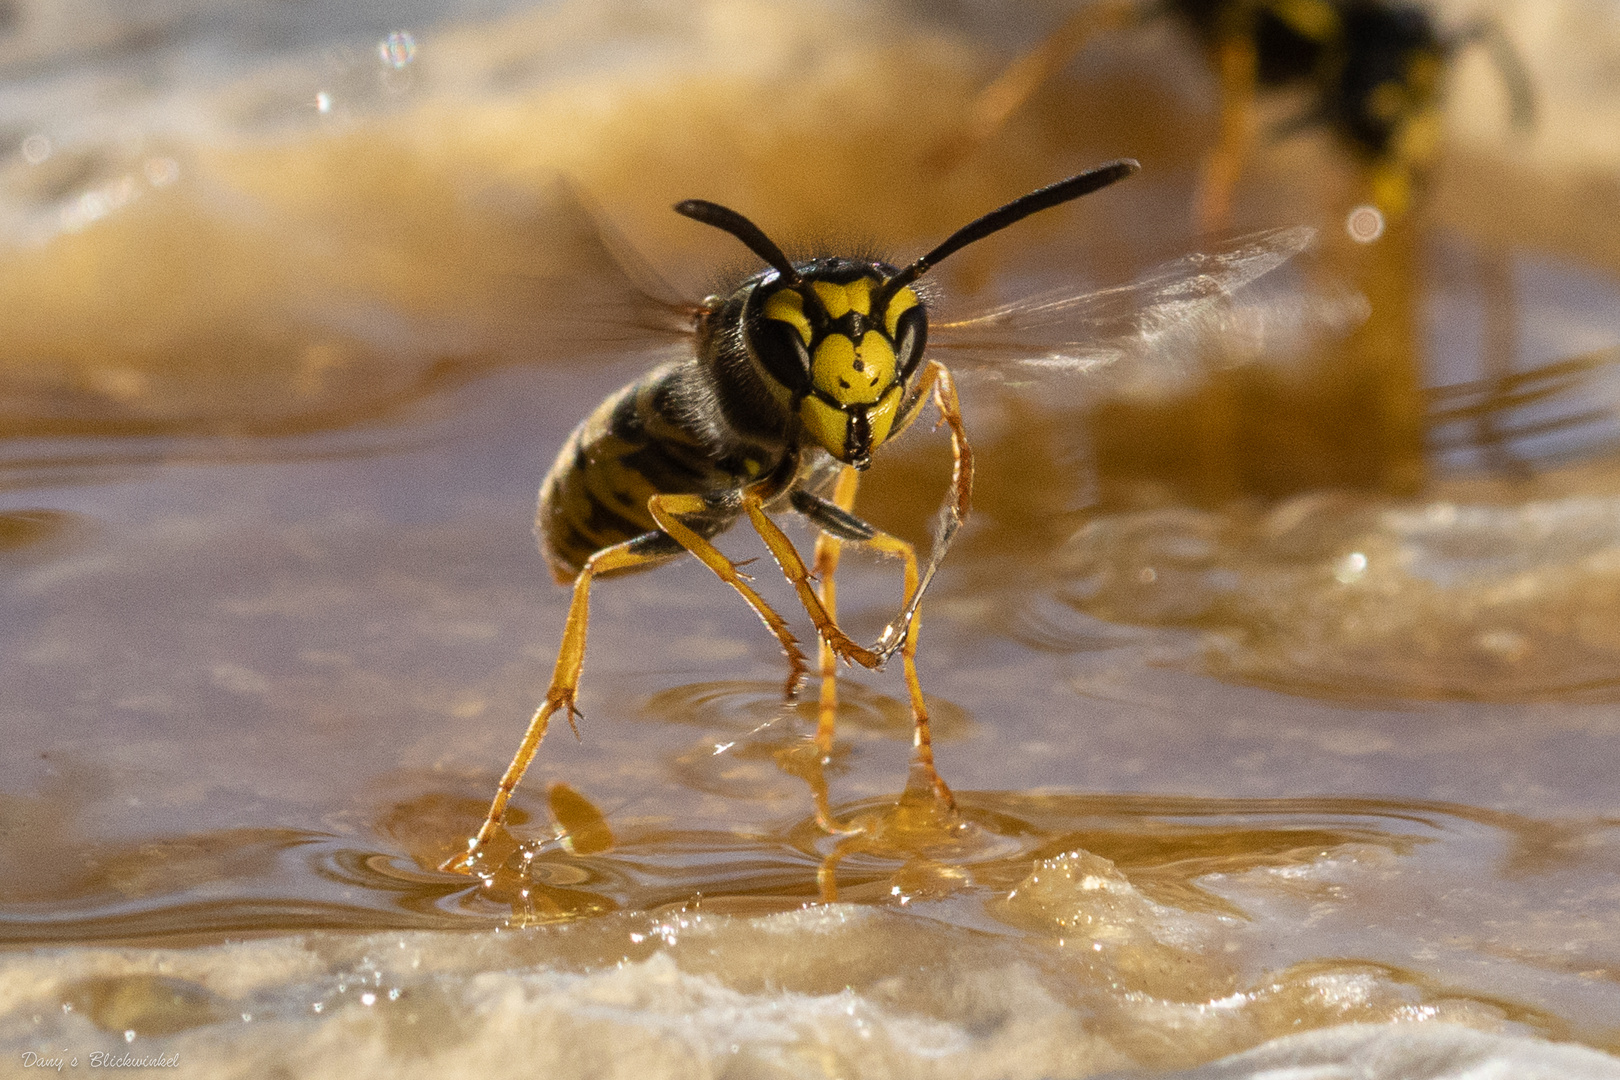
pixel 667 511
pixel 1018 82
pixel 642 551
pixel 1235 61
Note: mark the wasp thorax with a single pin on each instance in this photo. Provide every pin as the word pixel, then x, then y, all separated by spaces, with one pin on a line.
pixel 839 362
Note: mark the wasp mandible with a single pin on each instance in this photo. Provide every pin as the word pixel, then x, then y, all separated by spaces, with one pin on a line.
pixel 804 367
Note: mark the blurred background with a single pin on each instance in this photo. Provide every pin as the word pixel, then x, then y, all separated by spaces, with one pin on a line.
pixel 1275 672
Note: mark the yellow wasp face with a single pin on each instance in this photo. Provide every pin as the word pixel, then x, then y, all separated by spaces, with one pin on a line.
pixel 836 341
pixel 835 354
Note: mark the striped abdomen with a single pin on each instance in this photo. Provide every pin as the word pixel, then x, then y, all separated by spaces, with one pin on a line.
pixel 644 440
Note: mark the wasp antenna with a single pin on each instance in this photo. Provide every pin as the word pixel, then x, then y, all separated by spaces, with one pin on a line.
pixel 996 220
pixel 750 234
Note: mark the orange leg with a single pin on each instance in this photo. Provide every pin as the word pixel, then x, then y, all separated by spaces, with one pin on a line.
pixel 798 574
pixel 958 502
pixel 832 639
pixel 828 548
pixel 632 554
pixel 564 682
pixel 667 510
pixel 1235 62
pixel 922 740
pixel 808 762
pixel 1020 79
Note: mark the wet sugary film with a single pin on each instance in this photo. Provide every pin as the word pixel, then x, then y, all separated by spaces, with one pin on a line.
pixel 1275 671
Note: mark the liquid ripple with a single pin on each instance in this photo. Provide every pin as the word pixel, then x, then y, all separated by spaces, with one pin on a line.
pixel 1341 595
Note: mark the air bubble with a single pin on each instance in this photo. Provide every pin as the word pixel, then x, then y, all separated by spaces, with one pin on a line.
pixel 1364 224
pixel 35 149
pixel 397 49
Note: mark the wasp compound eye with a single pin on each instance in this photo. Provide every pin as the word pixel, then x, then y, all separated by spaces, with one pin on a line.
pixel 911 334
pixel 782 353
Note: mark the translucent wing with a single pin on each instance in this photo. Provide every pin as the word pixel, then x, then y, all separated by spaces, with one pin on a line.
pixel 584 292
pixel 1159 322
pixel 1162 323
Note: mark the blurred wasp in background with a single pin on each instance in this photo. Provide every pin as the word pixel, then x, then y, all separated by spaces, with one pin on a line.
pixel 789 385
pixel 1371 71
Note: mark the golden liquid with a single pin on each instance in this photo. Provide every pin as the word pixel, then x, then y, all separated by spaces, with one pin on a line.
pixel 1261 721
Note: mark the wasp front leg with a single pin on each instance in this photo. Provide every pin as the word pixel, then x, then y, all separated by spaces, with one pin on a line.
pixel 798 574
pixel 953 511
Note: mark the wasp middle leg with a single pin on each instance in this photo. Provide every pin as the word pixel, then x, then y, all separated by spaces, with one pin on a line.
pixel 808 761
pixel 667 510
pixel 825 562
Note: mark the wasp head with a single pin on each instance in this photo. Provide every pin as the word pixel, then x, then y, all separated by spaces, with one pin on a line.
pixel 838 352
pixel 837 340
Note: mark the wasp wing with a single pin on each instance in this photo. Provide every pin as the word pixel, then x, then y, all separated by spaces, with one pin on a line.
pixel 1160 323
pixel 587 294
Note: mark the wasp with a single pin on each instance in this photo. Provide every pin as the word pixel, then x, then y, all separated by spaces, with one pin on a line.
pixel 794 381
pixel 1370 71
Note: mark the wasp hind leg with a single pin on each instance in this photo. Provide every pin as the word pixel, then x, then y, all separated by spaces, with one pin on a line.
pixel 642 551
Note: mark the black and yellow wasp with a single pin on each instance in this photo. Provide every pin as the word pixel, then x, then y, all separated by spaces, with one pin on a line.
pixel 792 383
pixel 1370 71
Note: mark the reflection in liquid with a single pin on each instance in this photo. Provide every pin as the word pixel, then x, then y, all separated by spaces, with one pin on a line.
pixel 1356 596
pixel 151 1004
pixel 268 602
pixel 1161 914
pixel 24 529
